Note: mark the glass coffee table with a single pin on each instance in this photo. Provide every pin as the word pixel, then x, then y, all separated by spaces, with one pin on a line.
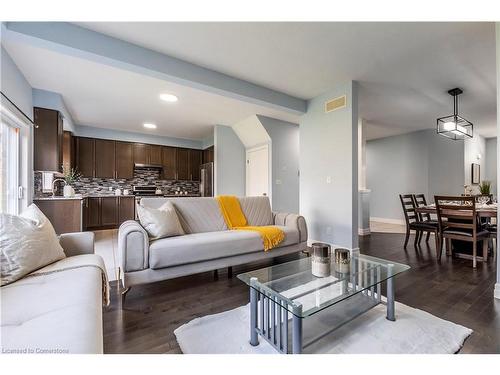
pixel 316 305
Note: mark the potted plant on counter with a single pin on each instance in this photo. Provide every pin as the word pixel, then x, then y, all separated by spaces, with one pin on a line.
pixel 70 175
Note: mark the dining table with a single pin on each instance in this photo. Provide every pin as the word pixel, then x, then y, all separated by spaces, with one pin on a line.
pixel 482 210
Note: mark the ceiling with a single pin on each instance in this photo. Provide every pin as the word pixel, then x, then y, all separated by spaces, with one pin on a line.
pixel 403 70
pixel 106 97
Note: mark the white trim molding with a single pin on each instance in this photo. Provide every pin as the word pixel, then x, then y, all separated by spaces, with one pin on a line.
pixel 364 231
pixel 387 220
pixel 497 290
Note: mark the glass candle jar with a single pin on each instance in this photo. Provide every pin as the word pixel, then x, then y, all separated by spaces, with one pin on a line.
pixel 321 258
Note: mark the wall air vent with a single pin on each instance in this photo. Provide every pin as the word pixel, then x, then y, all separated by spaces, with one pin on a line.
pixel 334 104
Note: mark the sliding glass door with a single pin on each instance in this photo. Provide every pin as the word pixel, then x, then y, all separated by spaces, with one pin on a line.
pixel 16 176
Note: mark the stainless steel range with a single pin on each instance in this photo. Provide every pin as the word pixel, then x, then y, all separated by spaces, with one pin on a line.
pixel 146 191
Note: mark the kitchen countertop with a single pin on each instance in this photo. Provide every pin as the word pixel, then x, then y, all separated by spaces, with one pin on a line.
pixel 79 197
pixel 83 196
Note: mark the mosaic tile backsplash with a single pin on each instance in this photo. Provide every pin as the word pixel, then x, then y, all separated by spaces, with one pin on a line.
pixel 142 176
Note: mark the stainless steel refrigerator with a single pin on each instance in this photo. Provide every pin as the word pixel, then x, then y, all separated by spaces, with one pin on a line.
pixel 207 179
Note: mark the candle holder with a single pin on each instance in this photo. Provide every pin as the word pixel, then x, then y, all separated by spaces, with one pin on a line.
pixel 342 260
pixel 321 258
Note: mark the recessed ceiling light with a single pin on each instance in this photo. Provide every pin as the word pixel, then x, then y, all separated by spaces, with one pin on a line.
pixel 169 98
pixel 149 125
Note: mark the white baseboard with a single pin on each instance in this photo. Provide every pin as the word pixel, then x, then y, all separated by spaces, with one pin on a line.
pixel 364 232
pixel 388 221
pixel 497 291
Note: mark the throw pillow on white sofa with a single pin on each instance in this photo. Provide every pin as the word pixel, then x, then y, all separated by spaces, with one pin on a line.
pixel 161 222
pixel 29 242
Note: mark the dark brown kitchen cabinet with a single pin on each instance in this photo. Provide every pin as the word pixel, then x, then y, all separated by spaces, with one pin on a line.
pixel 124 160
pixel 126 209
pixel 183 164
pixel 93 214
pixel 48 140
pixel 104 158
pixel 141 153
pixel 155 155
pixel 169 162
pixel 65 215
pixel 85 156
pixel 68 150
pixel 208 155
pixel 194 164
pixel 109 211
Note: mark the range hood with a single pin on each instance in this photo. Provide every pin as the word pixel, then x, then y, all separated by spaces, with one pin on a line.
pixel 140 165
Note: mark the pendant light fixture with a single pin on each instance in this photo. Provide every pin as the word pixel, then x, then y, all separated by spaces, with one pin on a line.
pixel 454 126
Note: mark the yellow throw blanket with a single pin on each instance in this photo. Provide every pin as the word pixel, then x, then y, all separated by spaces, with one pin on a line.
pixel 235 219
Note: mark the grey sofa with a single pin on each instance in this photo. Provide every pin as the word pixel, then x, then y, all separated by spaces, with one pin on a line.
pixel 207 245
pixel 56 312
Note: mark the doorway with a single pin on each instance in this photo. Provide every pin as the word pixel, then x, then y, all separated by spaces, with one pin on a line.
pixel 257 171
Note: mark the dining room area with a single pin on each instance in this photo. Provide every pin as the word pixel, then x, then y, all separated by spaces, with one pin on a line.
pixel 437 192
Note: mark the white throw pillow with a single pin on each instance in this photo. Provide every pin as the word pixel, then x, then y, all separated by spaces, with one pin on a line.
pixel 28 242
pixel 161 222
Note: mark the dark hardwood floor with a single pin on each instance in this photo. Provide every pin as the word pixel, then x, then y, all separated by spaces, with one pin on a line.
pixel 451 290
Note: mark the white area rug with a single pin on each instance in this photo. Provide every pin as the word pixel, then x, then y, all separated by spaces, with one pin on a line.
pixel 414 331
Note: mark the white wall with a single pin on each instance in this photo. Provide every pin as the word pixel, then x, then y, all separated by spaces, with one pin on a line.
pixel 14 85
pixel 285 150
pixel 329 168
pixel 418 162
pixel 491 163
pixel 229 163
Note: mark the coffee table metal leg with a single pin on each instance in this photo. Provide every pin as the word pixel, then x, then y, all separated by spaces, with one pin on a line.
pixel 296 335
pixel 254 301
pixel 390 295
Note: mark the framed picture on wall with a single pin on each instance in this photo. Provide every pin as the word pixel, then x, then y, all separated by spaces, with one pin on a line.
pixel 476 174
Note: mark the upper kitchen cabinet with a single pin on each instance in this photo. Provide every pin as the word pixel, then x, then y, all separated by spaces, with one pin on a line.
pixel 169 162
pixel 124 160
pixel 141 153
pixel 48 140
pixel 208 155
pixel 155 156
pixel 104 158
pixel 85 156
pixel 195 157
pixel 68 150
pixel 183 164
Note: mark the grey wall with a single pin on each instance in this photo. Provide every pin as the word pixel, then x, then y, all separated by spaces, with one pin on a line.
pixel 229 162
pixel 328 168
pixel 418 162
pixel 52 100
pixel 119 135
pixel 472 148
pixel 14 85
pixel 285 163
pixel 491 163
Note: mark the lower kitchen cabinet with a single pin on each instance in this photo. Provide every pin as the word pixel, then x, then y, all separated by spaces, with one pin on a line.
pixel 65 215
pixel 126 209
pixel 109 212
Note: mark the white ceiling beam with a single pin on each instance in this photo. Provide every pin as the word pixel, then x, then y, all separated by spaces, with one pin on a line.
pixel 77 41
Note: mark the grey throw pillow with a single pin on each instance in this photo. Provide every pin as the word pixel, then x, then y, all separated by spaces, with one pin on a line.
pixel 28 242
pixel 161 222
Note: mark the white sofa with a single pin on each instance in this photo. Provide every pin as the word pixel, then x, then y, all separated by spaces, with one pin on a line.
pixel 60 311
pixel 207 245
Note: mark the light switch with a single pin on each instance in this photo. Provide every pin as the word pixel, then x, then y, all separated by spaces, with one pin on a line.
pixel 328 179
pixel 278 182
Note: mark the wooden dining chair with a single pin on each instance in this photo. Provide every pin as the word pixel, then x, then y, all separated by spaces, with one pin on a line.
pixel 413 222
pixel 424 217
pixel 458 220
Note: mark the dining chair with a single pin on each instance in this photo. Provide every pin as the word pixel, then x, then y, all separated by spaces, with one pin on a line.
pixel 458 220
pixel 413 223
pixel 424 217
